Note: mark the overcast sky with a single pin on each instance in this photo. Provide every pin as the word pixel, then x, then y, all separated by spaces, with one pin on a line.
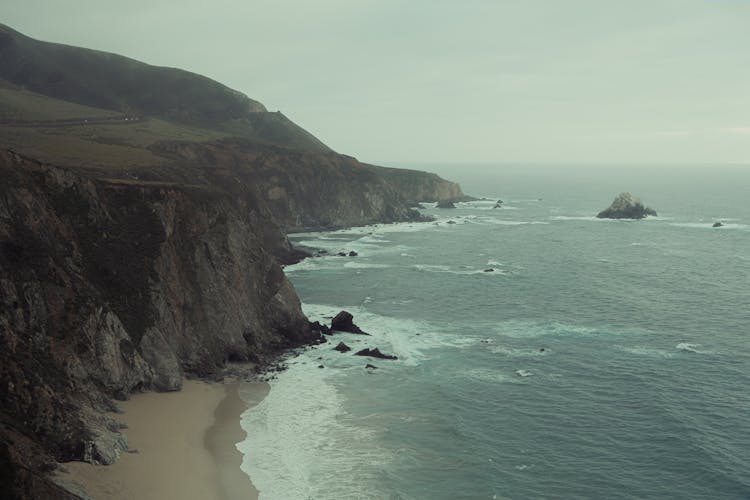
pixel 447 80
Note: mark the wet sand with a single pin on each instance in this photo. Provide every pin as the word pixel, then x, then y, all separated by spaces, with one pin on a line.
pixel 186 446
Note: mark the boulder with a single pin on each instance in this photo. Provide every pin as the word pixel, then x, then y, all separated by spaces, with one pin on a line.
pixel 341 347
pixel 341 254
pixel 489 270
pixel 374 353
pixel 717 224
pixel 353 254
pixel 371 367
pixel 626 206
pixel 315 326
pixel 446 204
pixel 343 322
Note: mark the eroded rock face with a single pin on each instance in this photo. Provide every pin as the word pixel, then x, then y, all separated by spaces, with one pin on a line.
pixel 109 288
pixel 110 285
pixel 626 206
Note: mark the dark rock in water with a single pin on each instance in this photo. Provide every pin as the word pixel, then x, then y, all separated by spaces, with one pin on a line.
pixel 541 349
pixel 374 353
pixel 317 327
pixel 717 224
pixel 322 253
pixel 626 206
pixel 499 204
pixel 451 222
pixel 321 366
pixel 343 322
pixel 353 254
pixel 489 270
pixel 342 347
pixel 341 254
pixel 371 367
pixel 446 204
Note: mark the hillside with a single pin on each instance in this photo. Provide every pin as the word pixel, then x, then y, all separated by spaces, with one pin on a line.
pixel 142 240
pixel 116 83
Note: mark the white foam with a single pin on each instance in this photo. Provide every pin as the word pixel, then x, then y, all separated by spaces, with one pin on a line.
pixel 301 447
pixel 364 265
pixel 525 329
pixel 487 375
pixel 694 348
pixel 462 270
pixel 523 373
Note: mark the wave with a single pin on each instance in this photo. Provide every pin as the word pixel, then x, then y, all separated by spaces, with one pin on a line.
pixel 301 447
pixel 364 265
pixel 462 270
pixel 687 347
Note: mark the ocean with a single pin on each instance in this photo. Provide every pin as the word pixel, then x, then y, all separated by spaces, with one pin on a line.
pixel 598 358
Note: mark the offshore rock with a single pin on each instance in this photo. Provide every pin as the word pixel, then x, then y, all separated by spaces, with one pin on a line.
pixel 343 322
pixel 626 206
pixel 341 347
pixel 374 353
pixel 446 204
pixel 717 224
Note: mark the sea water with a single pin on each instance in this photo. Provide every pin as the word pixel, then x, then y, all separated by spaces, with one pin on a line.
pixel 598 358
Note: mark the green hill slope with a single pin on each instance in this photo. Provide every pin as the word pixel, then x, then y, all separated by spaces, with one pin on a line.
pixel 116 83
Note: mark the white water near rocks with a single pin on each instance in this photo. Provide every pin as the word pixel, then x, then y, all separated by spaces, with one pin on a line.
pixel 599 359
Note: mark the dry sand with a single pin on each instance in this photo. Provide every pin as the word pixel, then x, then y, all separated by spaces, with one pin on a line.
pixel 186 446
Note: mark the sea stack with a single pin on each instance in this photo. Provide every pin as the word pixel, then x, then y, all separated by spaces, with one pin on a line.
pixel 626 206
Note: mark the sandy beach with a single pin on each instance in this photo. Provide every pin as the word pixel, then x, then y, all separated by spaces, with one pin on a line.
pixel 185 444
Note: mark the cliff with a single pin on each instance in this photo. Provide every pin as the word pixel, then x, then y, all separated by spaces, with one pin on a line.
pixel 138 250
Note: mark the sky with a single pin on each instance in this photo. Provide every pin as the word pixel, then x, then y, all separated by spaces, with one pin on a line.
pixel 389 81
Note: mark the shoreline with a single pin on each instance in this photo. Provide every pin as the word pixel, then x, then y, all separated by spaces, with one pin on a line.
pixel 182 446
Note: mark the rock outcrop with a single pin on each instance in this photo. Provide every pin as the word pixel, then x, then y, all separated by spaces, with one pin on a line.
pixel 344 322
pixel 626 206
pixel 374 353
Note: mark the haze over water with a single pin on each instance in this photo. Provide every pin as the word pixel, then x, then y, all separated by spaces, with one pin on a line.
pixel 599 359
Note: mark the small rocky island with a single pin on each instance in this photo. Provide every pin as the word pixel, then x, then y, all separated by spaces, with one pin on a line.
pixel 626 206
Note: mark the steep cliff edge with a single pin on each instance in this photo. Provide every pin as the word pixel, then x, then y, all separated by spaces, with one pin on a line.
pixel 110 285
pixel 135 250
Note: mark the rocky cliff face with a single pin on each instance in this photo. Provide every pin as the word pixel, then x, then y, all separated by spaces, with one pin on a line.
pixel 316 190
pixel 114 285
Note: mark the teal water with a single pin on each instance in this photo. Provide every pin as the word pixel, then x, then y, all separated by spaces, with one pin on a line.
pixel 642 389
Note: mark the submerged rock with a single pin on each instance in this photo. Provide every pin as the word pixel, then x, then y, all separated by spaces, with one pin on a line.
pixel 717 224
pixel 343 322
pixel 499 204
pixel 353 254
pixel 626 206
pixel 341 347
pixel 371 367
pixel 374 353
pixel 489 270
